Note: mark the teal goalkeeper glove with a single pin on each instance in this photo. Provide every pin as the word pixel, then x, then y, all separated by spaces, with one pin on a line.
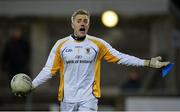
pixel 155 62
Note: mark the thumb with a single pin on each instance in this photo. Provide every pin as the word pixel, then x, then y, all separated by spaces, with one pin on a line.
pixel 158 58
pixel 19 95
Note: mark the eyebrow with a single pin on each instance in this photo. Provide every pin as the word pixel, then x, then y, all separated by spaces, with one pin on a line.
pixel 81 18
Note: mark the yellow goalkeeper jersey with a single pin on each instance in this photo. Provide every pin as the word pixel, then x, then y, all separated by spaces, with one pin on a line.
pixel 79 65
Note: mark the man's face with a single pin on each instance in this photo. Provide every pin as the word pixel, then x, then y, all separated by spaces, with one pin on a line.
pixel 80 25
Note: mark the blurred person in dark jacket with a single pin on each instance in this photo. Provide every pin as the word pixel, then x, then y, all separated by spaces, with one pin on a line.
pixel 133 82
pixel 16 54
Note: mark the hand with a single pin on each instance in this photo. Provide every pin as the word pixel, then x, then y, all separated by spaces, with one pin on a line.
pixel 155 62
pixel 22 94
pixel 19 94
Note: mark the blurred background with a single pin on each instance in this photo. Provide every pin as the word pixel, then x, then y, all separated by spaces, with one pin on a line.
pixel 145 29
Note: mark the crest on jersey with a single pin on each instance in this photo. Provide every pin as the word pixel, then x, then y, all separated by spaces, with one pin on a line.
pixel 87 50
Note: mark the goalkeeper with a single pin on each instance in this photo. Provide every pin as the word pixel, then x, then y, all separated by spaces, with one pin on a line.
pixel 78 58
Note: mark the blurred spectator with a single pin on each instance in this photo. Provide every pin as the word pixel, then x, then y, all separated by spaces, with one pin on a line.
pixel 16 54
pixel 15 59
pixel 133 82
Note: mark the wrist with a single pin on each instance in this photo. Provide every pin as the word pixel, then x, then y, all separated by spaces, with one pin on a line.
pixel 147 63
pixel 32 87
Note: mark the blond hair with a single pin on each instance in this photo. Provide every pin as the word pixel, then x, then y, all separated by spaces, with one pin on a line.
pixel 80 12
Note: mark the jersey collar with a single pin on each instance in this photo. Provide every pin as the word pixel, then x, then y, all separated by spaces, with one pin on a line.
pixel 78 39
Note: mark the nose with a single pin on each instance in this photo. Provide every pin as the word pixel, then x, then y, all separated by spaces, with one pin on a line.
pixel 82 23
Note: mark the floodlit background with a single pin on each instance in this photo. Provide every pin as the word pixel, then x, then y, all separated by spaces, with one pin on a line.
pixel 145 28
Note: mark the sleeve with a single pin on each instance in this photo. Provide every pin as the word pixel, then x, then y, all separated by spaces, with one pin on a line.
pixel 112 55
pixel 50 68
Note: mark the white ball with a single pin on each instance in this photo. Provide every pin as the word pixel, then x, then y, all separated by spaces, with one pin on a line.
pixel 21 83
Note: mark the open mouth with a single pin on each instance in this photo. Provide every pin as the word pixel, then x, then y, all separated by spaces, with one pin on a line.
pixel 82 29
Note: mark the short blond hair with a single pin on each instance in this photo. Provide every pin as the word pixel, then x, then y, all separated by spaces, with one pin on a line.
pixel 80 12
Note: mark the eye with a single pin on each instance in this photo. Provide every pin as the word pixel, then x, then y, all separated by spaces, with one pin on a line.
pixel 86 21
pixel 78 21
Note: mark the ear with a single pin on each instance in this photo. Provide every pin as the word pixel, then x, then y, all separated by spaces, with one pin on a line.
pixel 72 25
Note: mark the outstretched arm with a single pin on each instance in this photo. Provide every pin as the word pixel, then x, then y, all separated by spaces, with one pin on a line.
pixel 112 55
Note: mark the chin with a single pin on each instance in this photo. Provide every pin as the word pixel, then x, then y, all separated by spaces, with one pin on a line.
pixel 82 35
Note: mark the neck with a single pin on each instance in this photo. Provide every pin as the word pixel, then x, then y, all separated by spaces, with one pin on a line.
pixel 78 38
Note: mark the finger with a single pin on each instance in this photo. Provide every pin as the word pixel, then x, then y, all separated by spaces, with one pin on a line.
pixel 159 58
pixel 15 94
pixel 165 63
pixel 19 95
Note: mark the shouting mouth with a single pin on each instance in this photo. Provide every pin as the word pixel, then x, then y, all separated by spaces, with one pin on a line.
pixel 82 29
